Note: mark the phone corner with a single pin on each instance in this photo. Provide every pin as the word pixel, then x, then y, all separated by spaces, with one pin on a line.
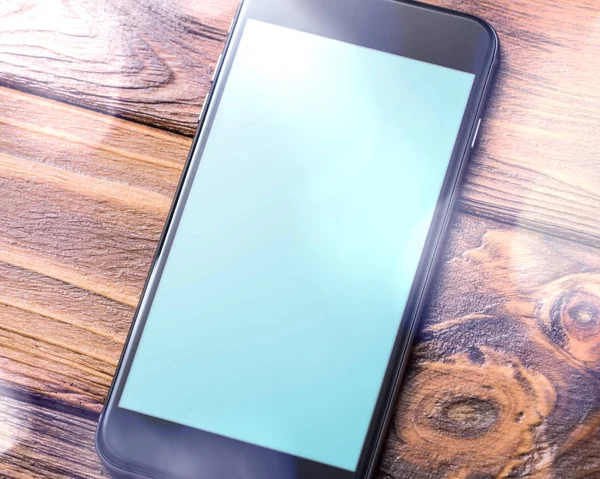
pixel 99 444
pixel 491 33
pixel 108 463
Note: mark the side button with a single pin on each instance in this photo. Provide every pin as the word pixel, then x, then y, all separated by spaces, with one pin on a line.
pixel 216 68
pixel 203 108
pixel 476 133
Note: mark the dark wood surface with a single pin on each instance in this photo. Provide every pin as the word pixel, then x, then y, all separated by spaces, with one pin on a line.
pixel 98 102
pixel 41 442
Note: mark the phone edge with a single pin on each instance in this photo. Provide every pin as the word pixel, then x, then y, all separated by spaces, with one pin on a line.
pixel 402 364
pixel 109 465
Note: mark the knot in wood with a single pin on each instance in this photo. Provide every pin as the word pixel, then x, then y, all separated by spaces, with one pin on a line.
pixel 466 417
pixel 570 317
pixel 478 418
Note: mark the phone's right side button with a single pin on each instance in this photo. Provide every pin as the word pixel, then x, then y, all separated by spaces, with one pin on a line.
pixel 476 133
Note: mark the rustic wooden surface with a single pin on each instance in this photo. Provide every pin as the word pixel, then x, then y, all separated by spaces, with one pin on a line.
pixel 97 104
pixel 40 442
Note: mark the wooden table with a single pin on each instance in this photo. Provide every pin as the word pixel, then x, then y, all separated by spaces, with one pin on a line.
pixel 98 104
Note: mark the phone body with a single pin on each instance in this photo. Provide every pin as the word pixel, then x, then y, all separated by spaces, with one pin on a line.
pixel 276 322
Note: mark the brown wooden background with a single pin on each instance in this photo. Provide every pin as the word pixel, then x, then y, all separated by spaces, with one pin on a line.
pixel 98 102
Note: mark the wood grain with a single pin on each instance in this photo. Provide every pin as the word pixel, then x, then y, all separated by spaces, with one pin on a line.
pixel 505 380
pixel 536 163
pixel 506 376
pixel 150 61
pixel 36 442
pixel 56 340
pixel 85 200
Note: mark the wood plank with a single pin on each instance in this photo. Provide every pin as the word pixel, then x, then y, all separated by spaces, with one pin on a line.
pixel 149 61
pixel 105 182
pixel 536 162
pixel 56 340
pixel 92 145
pixel 505 378
pixel 84 203
pixel 36 442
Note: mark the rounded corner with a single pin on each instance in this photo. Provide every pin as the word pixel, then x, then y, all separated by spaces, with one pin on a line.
pixel 109 462
pixel 100 444
pixel 489 31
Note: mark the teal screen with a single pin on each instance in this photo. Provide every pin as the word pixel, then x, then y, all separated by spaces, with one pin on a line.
pixel 276 313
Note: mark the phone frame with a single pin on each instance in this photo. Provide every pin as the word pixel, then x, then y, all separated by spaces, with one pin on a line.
pixel 116 423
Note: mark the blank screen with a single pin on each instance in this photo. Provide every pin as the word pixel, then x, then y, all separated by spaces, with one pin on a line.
pixel 283 291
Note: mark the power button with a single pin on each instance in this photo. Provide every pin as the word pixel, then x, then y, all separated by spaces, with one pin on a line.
pixel 476 133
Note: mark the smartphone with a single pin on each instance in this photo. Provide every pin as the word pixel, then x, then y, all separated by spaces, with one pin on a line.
pixel 277 318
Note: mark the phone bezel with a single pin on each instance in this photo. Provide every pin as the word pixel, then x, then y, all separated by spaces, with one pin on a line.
pixel 421 32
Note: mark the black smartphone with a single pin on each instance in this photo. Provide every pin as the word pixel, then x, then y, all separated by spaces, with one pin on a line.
pixel 277 318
